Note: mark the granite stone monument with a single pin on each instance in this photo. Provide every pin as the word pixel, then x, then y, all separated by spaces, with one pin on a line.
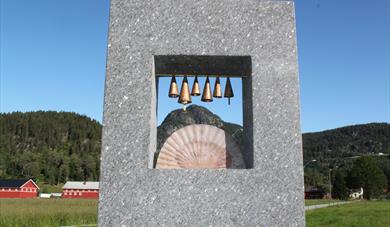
pixel 253 38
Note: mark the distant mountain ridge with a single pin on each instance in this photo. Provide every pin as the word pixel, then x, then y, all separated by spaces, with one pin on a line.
pixel 49 146
pixel 59 146
pixel 335 145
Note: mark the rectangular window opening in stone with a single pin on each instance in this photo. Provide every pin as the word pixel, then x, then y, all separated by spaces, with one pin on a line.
pixel 203 107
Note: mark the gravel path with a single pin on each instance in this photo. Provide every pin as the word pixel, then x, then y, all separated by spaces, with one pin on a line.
pixel 312 207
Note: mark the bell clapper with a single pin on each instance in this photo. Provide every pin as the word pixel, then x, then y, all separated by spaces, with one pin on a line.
pixel 184 107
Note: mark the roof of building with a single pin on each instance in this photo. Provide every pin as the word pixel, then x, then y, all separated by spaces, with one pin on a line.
pixel 15 183
pixel 81 185
pixel 313 189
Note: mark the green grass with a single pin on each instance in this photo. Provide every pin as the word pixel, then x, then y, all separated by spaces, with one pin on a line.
pixel 309 202
pixel 58 212
pixel 47 212
pixel 358 214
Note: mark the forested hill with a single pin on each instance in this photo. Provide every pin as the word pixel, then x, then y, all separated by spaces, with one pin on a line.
pixel 337 147
pixel 49 146
pixel 59 146
pixel 340 148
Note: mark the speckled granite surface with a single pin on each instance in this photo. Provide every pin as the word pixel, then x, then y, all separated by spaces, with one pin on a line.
pixel 269 194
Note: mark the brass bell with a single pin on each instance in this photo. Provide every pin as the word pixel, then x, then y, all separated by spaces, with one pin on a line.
pixel 173 90
pixel 195 87
pixel 185 96
pixel 228 90
pixel 207 96
pixel 217 89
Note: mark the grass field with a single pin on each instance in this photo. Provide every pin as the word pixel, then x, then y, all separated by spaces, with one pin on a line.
pixel 359 214
pixel 65 212
pixel 47 212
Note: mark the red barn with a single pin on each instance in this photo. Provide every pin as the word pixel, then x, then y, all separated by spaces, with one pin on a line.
pixel 314 193
pixel 76 189
pixel 25 188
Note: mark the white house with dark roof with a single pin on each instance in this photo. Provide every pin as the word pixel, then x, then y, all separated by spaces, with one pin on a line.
pixel 80 189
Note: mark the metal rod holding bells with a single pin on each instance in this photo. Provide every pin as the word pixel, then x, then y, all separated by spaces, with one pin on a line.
pixel 188 74
pixel 228 90
pixel 185 96
pixel 195 87
pixel 173 90
pixel 217 89
pixel 207 95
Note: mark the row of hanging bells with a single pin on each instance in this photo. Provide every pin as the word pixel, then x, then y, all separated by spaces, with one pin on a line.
pixel 207 96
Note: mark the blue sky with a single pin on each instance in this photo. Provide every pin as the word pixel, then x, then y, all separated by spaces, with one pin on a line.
pixel 229 113
pixel 53 53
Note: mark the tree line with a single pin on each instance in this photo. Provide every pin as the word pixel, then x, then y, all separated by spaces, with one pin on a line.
pixel 54 147
pixel 356 156
pixel 365 173
pixel 49 146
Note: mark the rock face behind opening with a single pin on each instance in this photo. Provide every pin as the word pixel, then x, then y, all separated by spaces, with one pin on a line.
pixel 194 115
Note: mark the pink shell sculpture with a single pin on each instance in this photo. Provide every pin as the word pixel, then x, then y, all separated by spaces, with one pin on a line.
pixel 200 146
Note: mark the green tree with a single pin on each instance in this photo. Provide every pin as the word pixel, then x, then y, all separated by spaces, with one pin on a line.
pixel 339 188
pixel 32 170
pixel 76 170
pixel 89 167
pixel 314 178
pixel 63 173
pixel 366 173
pixel 385 166
pixel 52 176
pixel 40 145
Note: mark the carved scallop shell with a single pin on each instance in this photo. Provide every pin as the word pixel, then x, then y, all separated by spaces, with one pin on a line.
pixel 200 146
